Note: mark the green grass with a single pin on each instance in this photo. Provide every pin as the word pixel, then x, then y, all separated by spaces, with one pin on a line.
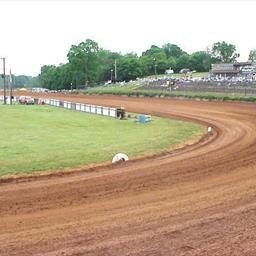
pixel 36 138
pixel 215 96
pixel 110 90
pixel 117 90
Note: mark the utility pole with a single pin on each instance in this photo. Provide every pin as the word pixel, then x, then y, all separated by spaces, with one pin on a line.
pixel 11 83
pixel 86 75
pixel 155 65
pixel 115 72
pixel 111 75
pixel 4 79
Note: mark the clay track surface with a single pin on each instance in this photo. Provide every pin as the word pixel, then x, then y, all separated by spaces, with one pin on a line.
pixel 198 201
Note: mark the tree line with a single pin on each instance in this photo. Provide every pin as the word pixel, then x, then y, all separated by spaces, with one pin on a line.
pixel 89 65
pixel 20 81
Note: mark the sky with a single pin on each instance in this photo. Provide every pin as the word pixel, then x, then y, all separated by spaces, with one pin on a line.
pixel 37 33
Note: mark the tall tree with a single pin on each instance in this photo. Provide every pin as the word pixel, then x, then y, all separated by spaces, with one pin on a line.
pixel 252 55
pixel 130 67
pixel 153 50
pixel 182 62
pixel 20 81
pixel 224 52
pixel 154 59
pixel 172 50
pixel 54 77
pixel 84 61
pixel 172 62
pixel 33 82
pixel 200 61
pixel 107 63
pixel 47 76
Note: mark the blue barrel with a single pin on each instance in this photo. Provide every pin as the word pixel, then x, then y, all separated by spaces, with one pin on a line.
pixel 142 119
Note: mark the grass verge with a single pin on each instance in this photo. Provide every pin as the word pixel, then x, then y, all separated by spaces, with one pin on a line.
pixel 115 90
pixel 36 138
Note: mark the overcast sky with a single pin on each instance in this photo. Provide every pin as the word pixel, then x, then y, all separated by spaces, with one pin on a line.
pixel 35 33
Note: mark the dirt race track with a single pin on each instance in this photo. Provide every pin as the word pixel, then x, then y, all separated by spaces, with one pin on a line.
pixel 198 201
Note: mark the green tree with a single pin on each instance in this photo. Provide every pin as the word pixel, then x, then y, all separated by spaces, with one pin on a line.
pixel 252 55
pixel 153 50
pixel 162 65
pixel 172 62
pixel 33 82
pixel 129 67
pixel 20 81
pixel 172 50
pixel 47 76
pixel 1 81
pixel 154 57
pixel 146 65
pixel 107 61
pixel 182 62
pixel 224 52
pixel 200 61
pixel 84 62
pixel 63 76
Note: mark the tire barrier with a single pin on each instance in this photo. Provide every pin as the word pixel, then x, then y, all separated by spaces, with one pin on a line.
pixel 119 157
pixel 88 108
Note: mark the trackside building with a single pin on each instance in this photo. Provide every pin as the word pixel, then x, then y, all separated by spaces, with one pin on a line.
pixel 238 69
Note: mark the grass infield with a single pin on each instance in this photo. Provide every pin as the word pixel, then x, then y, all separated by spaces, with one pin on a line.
pixel 37 138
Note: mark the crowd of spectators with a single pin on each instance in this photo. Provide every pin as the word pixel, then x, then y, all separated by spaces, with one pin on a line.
pixel 208 80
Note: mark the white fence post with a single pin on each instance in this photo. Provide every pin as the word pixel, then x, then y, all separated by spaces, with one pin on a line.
pixel 99 110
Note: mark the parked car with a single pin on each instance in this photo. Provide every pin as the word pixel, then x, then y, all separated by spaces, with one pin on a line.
pixel 26 100
pixel 185 71
pixel 169 71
